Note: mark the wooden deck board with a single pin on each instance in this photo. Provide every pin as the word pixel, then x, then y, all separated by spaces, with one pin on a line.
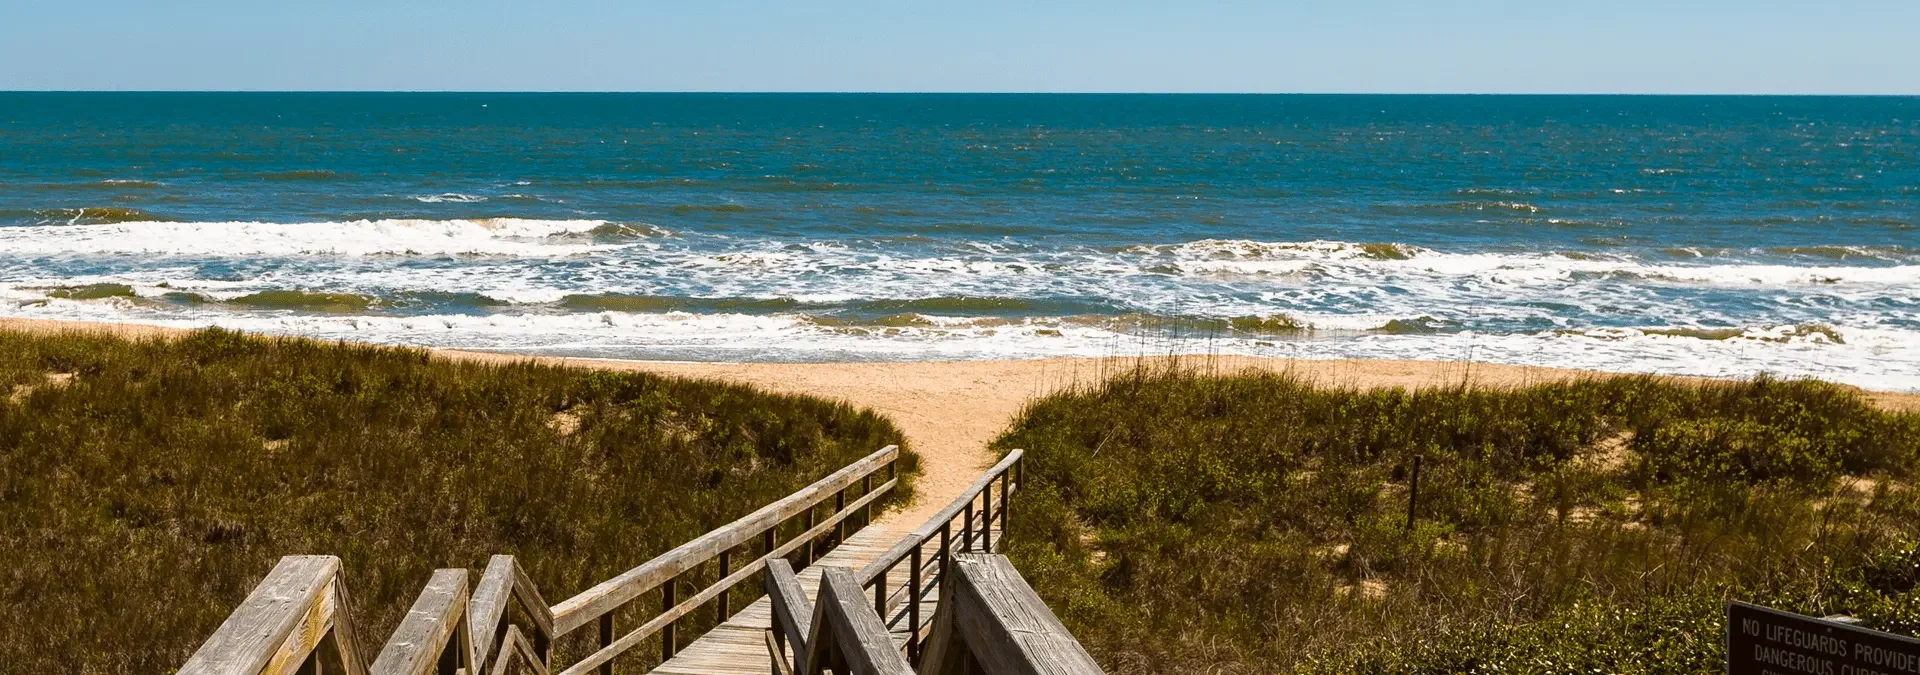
pixel 739 647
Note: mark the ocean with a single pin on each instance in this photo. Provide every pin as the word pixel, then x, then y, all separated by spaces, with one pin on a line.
pixel 1720 236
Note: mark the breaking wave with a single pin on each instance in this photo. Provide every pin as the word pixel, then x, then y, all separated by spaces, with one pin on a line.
pixel 136 233
pixel 449 197
pixel 89 215
pixel 632 289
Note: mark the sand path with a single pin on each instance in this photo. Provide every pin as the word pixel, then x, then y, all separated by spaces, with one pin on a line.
pixel 950 411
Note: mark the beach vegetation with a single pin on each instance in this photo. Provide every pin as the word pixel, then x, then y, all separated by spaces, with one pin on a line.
pixel 1185 521
pixel 146 485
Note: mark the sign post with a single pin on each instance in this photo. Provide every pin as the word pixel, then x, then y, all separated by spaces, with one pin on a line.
pixel 1765 641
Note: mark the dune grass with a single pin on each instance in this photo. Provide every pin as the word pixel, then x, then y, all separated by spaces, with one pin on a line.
pixel 1256 523
pixel 146 486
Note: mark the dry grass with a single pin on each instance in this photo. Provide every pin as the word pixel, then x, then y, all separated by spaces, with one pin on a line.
pixel 1182 522
pixel 146 486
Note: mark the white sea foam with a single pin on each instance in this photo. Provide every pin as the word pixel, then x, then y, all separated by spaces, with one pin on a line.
pixel 1256 257
pixel 1880 359
pixel 453 197
pixel 488 236
pixel 1521 306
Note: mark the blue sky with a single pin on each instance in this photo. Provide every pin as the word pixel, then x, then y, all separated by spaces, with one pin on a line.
pixel 1679 46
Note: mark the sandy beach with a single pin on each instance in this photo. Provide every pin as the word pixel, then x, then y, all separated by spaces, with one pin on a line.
pixel 950 410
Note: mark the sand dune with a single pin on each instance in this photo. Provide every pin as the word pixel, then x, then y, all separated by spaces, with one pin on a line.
pixel 950 410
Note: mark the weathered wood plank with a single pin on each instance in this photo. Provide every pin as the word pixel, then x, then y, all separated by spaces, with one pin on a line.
pixel 515 648
pixel 738 646
pixel 847 636
pixel 989 611
pixel 682 608
pixel 500 585
pixel 584 608
pixel 346 635
pixel 792 615
pixel 436 618
pixel 256 630
pixel 780 666
pixel 326 612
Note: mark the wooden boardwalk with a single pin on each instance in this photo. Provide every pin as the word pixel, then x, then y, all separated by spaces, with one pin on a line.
pixel 295 620
pixel 739 646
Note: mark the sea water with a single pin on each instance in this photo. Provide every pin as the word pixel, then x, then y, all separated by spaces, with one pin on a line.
pixel 1688 235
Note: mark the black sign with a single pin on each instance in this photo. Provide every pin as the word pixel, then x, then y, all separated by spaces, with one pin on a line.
pixel 1762 641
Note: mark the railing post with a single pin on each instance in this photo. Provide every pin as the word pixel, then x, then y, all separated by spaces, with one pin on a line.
pixel 840 528
pixel 667 593
pixel 806 558
pixel 726 568
pixel 913 605
pixel 946 550
pixel 966 530
pixel 1006 501
pixel 606 640
pixel 779 644
pixel 986 518
pixel 880 594
pixel 866 488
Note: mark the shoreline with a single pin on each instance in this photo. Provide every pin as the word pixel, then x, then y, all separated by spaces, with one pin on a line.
pixel 950 410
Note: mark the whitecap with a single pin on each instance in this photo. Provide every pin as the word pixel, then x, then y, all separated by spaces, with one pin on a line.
pixel 410 237
pixel 453 197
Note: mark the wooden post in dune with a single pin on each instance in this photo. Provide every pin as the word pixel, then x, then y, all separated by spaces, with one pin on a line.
pixel 1413 495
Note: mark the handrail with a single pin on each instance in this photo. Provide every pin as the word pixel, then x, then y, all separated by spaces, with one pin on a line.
pixel 791 617
pixel 921 534
pixel 847 635
pixel 502 583
pixel 1010 472
pixel 839 632
pixel 433 630
pixel 283 623
pixel 513 643
pixel 990 620
pixel 608 595
pixel 299 613
pixel 682 608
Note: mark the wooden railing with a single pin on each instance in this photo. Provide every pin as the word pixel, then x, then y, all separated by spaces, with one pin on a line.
pixel 964 526
pixel 989 621
pixel 297 616
pixel 297 619
pixel 449 631
pixel 838 634
pixel 762 527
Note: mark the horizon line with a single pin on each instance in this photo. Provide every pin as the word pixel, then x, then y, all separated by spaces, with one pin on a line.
pixel 851 92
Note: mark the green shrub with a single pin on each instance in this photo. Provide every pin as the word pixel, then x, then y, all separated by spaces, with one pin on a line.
pixel 146 486
pixel 1181 522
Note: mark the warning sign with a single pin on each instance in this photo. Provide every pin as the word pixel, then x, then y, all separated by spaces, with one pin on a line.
pixel 1763 641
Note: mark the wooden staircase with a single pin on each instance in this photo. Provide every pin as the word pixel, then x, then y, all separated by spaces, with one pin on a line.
pixel 880 584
